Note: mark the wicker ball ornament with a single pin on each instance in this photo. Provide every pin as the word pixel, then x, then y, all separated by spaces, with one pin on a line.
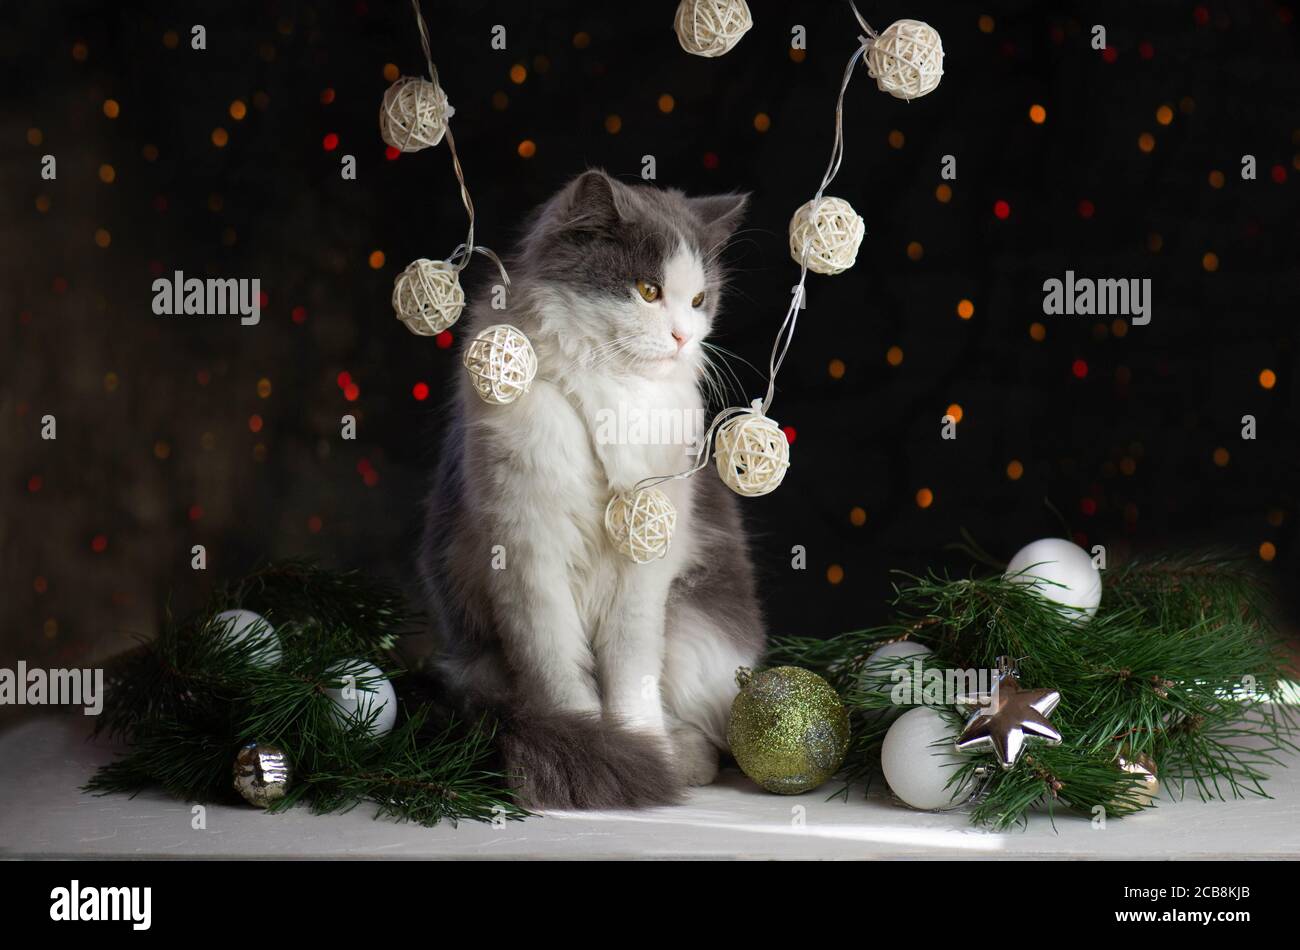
pixel 641 523
pixel 427 297
pixel 751 452
pixel 711 27
pixel 501 364
pixel 832 232
pixel 906 60
pixel 414 114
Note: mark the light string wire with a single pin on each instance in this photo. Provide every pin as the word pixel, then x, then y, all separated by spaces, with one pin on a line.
pixel 785 334
pixel 460 257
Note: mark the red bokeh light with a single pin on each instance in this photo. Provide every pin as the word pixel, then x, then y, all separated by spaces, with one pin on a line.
pixel 420 391
pixel 443 340
pixel 330 142
pixel 1079 368
pixel 1001 210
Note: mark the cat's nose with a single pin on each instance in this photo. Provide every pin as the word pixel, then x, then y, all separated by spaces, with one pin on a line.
pixel 680 337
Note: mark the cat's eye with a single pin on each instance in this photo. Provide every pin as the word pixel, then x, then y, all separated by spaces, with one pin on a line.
pixel 698 300
pixel 649 292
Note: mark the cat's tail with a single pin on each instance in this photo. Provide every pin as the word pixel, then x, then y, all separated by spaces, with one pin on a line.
pixel 573 760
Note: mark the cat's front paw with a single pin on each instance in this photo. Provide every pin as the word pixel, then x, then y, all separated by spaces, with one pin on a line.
pixel 695 758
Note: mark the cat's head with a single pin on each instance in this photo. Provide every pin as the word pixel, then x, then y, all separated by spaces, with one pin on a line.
pixel 632 273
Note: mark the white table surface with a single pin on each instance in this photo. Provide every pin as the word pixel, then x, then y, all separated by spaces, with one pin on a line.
pixel 43 761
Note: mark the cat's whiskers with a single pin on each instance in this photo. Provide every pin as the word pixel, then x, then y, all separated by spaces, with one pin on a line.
pixel 712 378
pixel 607 352
pixel 603 352
pixel 722 364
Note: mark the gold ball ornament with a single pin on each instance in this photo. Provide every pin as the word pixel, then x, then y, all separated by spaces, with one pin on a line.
pixel 427 297
pixel 751 453
pixel 501 364
pixel 831 231
pixel 788 729
pixel 1144 791
pixel 262 773
pixel 641 523
pixel 414 114
pixel 906 59
pixel 711 27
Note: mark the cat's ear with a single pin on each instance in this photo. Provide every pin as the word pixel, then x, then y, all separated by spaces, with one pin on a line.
pixel 592 206
pixel 720 215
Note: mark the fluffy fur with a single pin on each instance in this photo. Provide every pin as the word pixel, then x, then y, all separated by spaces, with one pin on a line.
pixel 610 681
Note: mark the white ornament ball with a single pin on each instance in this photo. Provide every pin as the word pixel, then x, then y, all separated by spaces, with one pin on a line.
pixel 501 364
pixel 711 27
pixel 641 523
pixel 906 60
pixel 880 672
pixel 1061 572
pixel 366 692
pixel 414 114
pixel 833 232
pixel 427 297
pixel 919 759
pixel 240 625
pixel 752 453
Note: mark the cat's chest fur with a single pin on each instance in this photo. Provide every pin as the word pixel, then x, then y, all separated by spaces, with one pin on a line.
pixel 581 441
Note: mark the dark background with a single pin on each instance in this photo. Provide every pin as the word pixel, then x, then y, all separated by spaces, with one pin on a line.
pixel 1116 432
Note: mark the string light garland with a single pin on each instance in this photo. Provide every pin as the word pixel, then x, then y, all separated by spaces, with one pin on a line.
pixel 906 60
pixel 415 115
pixel 711 27
pixel 751 451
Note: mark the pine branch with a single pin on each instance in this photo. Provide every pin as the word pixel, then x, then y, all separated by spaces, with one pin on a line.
pixel 187 701
pixel 1179 663
pixel 414 776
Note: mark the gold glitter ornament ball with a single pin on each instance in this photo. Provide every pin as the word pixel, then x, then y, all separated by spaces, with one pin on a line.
pixel 788 729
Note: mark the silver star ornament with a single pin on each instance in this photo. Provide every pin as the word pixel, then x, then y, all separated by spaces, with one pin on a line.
pixel 1004 719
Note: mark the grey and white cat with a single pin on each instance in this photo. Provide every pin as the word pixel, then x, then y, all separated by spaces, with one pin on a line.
pixel 610 681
